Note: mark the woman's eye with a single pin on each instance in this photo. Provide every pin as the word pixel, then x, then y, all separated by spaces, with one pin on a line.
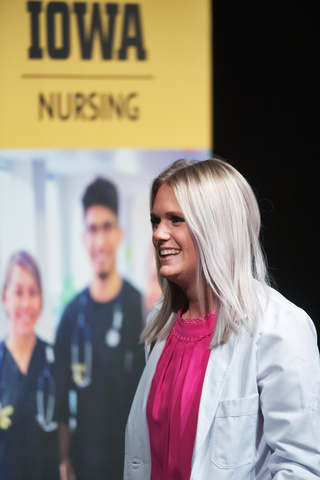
pixel 34 292
pixel 177 219
pixel 154 221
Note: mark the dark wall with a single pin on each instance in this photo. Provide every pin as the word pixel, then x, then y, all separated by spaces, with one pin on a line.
pixel 266 59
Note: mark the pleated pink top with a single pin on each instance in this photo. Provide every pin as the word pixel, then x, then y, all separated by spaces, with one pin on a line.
pixel 174 398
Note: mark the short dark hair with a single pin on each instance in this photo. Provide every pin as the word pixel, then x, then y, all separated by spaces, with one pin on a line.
pixel 101 192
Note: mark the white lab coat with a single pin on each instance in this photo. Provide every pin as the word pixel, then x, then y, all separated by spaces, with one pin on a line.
pixel 259 415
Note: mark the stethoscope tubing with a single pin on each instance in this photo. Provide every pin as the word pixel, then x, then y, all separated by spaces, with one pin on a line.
pixel 82 371
pixel 44 415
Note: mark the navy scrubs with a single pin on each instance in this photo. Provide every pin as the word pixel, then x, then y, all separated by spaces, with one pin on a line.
pixel 27 452
pixel 97 450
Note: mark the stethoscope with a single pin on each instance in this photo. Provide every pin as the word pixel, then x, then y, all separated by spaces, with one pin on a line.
pixel 81 358
pixel 46 394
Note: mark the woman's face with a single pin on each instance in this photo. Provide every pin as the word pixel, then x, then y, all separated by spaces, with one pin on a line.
pixel 22 301
pixel 172 240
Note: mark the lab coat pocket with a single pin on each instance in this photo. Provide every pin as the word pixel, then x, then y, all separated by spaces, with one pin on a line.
pixel 234 432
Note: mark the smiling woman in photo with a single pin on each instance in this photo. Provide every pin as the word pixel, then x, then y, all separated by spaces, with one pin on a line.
pixel 28 434
pixel 231 388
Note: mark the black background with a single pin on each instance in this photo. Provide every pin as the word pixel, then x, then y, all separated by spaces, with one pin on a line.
pixel 266 57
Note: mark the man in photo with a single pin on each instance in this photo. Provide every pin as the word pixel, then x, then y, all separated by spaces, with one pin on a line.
pixel 98 355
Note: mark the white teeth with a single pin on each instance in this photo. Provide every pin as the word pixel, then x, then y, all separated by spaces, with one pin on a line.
pixel 171 251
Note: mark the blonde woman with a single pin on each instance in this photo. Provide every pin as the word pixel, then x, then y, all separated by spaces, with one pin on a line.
pixel 232 383
pixel 28 434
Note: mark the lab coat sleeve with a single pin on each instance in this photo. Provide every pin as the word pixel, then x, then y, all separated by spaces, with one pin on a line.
pixel 289 383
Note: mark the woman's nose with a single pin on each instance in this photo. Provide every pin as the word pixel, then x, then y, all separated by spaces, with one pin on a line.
pixel 161 232
pixel 26 300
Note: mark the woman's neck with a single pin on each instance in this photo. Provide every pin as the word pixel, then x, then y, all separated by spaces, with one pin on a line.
pixel 21 349
pixel 195 309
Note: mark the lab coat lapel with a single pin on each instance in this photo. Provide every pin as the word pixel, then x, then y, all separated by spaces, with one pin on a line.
pixel 214 382
pixel 138 421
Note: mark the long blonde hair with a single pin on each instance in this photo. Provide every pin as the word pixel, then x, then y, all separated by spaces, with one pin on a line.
pixel 223 219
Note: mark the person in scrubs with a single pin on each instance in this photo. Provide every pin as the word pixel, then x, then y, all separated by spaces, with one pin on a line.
pixel 99 358
pixel 231 388
pixel 28 435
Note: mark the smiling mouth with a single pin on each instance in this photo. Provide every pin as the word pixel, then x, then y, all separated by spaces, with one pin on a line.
pixel 100 257
pixel 25 319
pixel 168 252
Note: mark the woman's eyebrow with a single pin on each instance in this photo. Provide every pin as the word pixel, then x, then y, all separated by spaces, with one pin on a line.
pixel 174 213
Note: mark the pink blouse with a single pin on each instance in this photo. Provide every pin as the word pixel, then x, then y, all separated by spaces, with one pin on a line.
pixel 174 398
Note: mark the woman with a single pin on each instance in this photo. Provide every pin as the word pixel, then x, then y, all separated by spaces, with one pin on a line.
pixel 232 383
pixel 28 436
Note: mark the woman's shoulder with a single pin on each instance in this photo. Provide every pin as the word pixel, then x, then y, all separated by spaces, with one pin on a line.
pixel 272 301
pixel 282 319
pixel 155 309
pixel 46 348
pixel 157 306
pixel 43 343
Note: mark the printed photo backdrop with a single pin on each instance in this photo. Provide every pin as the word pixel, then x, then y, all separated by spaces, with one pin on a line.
pixel 41 212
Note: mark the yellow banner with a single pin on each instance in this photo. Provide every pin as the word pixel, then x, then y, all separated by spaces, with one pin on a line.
pixel 105 75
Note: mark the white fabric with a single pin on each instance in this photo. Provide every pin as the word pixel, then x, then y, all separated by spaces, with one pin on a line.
pixel 259 414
